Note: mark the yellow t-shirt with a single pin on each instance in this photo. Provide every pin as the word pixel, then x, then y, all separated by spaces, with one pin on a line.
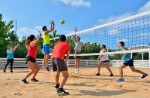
pixel 46 38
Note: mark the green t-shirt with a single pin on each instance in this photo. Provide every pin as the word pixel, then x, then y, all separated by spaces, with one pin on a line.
pixel 46 38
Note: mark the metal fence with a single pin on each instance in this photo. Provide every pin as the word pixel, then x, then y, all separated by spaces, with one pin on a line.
pixel 20 63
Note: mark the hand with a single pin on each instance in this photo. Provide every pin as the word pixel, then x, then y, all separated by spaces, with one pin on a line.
pixel 18 44
pixel 52 23
pixel 97 59
pixel 121 60
pixel 75 29
pixel 39 34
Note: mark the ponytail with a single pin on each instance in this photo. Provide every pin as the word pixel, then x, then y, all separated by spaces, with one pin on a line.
pixel 104 46
pixel 27 42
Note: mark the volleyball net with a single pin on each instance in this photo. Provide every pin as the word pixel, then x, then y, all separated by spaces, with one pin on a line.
pixel 133 30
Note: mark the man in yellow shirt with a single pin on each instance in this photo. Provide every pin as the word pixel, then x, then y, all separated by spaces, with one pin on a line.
pixel 46 44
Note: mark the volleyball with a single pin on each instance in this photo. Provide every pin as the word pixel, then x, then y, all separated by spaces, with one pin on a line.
pixel 62 21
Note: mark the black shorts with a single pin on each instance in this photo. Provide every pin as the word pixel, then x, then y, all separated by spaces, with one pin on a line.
pixel 59 65
pixel 105 61
pixel 29 58
pixel 77 57
pixel 129 63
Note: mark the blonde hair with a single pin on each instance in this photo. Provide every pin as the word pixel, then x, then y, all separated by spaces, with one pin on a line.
pixel 8 47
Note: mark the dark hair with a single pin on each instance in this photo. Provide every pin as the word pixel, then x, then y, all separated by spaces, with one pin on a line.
pixel 122 43
pixel 79 37
pixel 62 38
pixel 104 46
pixel 43 28
pixel 31 38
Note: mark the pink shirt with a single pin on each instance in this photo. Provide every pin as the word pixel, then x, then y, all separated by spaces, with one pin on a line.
pixel 32 51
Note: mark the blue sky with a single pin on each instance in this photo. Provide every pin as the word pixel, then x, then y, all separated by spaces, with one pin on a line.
pixel 31 15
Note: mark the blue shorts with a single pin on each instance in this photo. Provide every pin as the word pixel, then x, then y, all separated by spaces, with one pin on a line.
pixel 46 48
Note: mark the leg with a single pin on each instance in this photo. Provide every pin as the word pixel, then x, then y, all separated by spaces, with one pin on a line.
pixel 121 70
pixel 46 59
pixel 136 70
pixel 99 66
pixel 65 77
pixel 57 78
pixel 32 67
pixel 6 65
pixel 11 65
pixel 76 63
pixel 37 68
pixel 108 67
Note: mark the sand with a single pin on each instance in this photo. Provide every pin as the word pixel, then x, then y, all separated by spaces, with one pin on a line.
pixel 83 85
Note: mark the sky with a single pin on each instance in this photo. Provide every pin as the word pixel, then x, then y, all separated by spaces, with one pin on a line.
pixel 31 15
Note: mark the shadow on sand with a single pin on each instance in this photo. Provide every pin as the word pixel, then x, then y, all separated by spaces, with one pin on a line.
pixel 100 92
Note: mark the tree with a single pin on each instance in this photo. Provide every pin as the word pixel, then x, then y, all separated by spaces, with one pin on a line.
pixel 7 35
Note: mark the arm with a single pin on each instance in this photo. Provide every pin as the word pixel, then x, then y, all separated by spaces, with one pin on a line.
pixel 51 28
pixel 75 34
pixel 123 55
pixel 16 47
pixel 33 43
pixel 27 42
pixel 99 57
pixel 67 57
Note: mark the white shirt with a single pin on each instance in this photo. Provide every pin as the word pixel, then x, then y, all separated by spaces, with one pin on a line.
pixel 78 45
pixel 104 57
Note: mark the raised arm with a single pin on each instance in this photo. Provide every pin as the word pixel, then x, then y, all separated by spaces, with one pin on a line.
pixel 51 28
pixel 27 42
pixel 16 47
pixel 33 43
pixel 75 30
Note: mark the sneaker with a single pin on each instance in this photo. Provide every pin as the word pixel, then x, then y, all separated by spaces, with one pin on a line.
pixel 78 70
pixel 47 68
pixel 75 71
pixel 57 86
pixel 24 81
pixel 34 80
pixel 111 75
pixel 98 74
pixel 11 71
pixel 144 76
pixel 120 80
pixel 4 71
pixel 61 91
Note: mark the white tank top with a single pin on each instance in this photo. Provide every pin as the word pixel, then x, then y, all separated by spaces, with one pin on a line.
pixel 104 57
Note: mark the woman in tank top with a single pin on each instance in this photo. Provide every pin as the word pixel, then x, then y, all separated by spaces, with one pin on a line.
pixel 103 59
pixel 128 61
pixel 31 58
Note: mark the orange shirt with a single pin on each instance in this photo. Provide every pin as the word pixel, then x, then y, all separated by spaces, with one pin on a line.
pixel 60 49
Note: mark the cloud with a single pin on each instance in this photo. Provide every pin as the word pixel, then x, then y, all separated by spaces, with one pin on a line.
pixel 25 31
pixel 144 8
pixel 74 3
pixel 113 18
